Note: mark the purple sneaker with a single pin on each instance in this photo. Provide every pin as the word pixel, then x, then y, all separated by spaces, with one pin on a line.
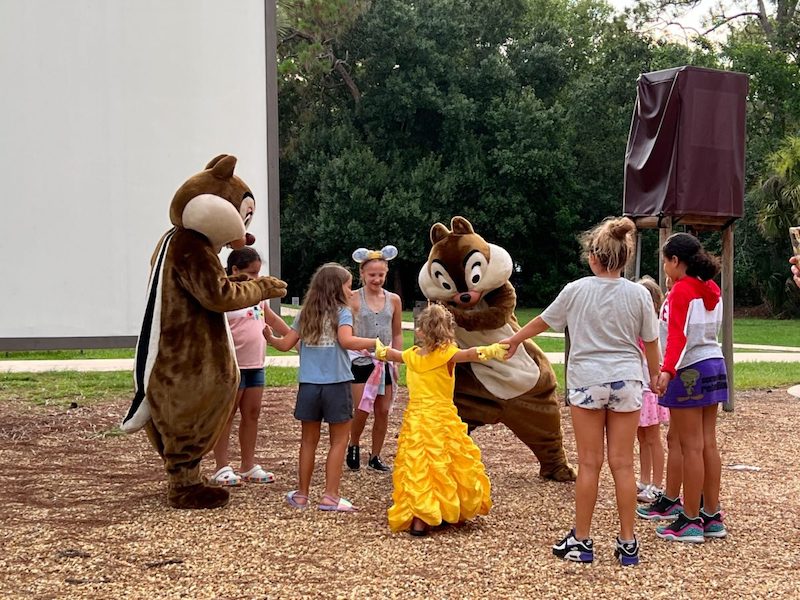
pixel 571 548
pixel 627 553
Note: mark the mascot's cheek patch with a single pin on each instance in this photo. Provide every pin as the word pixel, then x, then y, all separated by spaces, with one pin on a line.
pixel 215 218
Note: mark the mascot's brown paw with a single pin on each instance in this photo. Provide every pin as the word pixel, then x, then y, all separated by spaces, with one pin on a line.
pixel 197 496
pixel 560 473
pixel 272 287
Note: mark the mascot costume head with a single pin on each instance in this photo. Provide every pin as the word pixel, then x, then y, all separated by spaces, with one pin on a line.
pixel 470 276
pixel 185 372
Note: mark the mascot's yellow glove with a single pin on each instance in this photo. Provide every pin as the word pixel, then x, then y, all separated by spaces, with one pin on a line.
pixel 380 350
pixel 497 351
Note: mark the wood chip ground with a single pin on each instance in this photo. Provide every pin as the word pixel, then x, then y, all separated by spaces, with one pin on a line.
pixel 84 516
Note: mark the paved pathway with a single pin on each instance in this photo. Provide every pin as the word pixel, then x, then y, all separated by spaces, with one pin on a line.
pixel 742 353
pixel 292 360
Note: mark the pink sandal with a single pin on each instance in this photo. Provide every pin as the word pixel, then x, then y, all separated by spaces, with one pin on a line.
pixel 341 505
pixel 291 499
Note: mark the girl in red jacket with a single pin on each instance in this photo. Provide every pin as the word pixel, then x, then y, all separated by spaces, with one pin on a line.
pixel 692 382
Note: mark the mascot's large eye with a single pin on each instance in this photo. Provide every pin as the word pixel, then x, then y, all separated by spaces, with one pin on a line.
pixel 440 276
pixel 247 208
pixel 474 267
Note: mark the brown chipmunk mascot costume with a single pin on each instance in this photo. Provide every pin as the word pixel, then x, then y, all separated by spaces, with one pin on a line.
pixel 470 276
pixel 185 371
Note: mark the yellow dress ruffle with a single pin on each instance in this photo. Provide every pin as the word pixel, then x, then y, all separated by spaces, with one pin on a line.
pixel 438 474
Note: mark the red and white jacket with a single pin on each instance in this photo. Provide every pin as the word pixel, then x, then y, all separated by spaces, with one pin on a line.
pixel 689 322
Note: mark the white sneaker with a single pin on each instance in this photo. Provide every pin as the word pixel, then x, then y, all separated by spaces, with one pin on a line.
pixel 648 494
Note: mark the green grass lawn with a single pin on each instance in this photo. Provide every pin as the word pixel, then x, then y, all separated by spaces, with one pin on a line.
pixel 65 387
pixel 771 332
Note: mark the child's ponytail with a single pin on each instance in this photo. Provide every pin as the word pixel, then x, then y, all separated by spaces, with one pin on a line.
pixel 689 250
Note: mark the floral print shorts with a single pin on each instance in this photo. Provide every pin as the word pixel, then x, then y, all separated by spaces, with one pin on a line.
pixel 617 396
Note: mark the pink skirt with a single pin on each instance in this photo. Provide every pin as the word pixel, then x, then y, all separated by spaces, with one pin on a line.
pixel 652 413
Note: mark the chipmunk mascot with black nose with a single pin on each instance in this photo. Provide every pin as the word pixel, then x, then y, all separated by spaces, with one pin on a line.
pixel 470 276
pixel 185 370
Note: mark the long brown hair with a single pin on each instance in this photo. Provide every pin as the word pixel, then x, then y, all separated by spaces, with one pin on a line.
pixel 437 326
pixel 324 298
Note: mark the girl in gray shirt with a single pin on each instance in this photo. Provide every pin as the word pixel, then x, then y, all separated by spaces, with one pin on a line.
pixel 606 314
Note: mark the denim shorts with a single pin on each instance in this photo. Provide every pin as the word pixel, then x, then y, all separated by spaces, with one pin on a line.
pixel 329 402
pixel 251 378
pixel 616 396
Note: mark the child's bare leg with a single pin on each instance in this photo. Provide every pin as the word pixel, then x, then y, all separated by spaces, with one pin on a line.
pixel 589 427
pixel 674 464
pixel 645 460
pixel 250 408
pixel 711 460
pixel 221 447
pixel 689 424
pixel 655 449
pixel 360 417
pixel 621 433
pixel 380 423
pixel 340 433
pixel 308 448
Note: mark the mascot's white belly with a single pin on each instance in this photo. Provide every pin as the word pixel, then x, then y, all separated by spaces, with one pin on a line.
pixel 503 379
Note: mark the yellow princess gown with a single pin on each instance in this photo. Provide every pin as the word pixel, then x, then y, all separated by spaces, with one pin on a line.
pixel 438 474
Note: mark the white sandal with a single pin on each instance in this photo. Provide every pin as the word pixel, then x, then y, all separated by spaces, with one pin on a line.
pixel 226 477
pixel 258 475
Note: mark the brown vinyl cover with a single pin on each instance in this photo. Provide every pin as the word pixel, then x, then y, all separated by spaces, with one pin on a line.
pixel 685 153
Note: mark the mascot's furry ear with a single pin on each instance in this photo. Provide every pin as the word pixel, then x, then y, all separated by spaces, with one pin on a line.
pixel 222 166
pixel 461 226
pixel 439 232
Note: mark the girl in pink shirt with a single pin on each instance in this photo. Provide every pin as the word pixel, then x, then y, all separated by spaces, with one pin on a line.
pixel 246 326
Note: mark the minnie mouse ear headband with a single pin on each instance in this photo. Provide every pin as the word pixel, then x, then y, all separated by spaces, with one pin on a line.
pixel 363 255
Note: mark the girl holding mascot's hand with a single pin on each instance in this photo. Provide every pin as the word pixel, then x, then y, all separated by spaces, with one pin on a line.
pixel 377 313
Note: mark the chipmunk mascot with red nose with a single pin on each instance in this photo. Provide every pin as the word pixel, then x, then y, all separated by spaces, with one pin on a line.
pixel 185 371
pixel 470 276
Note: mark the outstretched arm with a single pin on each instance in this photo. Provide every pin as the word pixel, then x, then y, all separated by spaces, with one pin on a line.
pixel 348 341
pixel 531 329
pixel 385 353
pixel 481 353
pixel 285 343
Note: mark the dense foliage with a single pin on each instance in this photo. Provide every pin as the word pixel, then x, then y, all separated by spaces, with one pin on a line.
pixel 396 114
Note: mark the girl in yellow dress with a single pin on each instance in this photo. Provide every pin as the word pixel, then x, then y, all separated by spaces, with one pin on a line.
pixel 438 474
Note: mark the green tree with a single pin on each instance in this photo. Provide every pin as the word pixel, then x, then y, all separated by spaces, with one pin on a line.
pixel 778 196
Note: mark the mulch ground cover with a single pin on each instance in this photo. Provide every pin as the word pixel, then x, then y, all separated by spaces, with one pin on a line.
pixel 84 516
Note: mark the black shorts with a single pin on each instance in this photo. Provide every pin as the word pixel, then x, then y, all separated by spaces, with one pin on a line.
pixel 329 402
pixel 362 372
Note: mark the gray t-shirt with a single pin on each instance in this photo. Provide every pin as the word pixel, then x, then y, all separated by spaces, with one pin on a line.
pixel 326 361
pixel 606 318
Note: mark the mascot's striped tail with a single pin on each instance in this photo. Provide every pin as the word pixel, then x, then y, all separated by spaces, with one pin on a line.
pixel 147 345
